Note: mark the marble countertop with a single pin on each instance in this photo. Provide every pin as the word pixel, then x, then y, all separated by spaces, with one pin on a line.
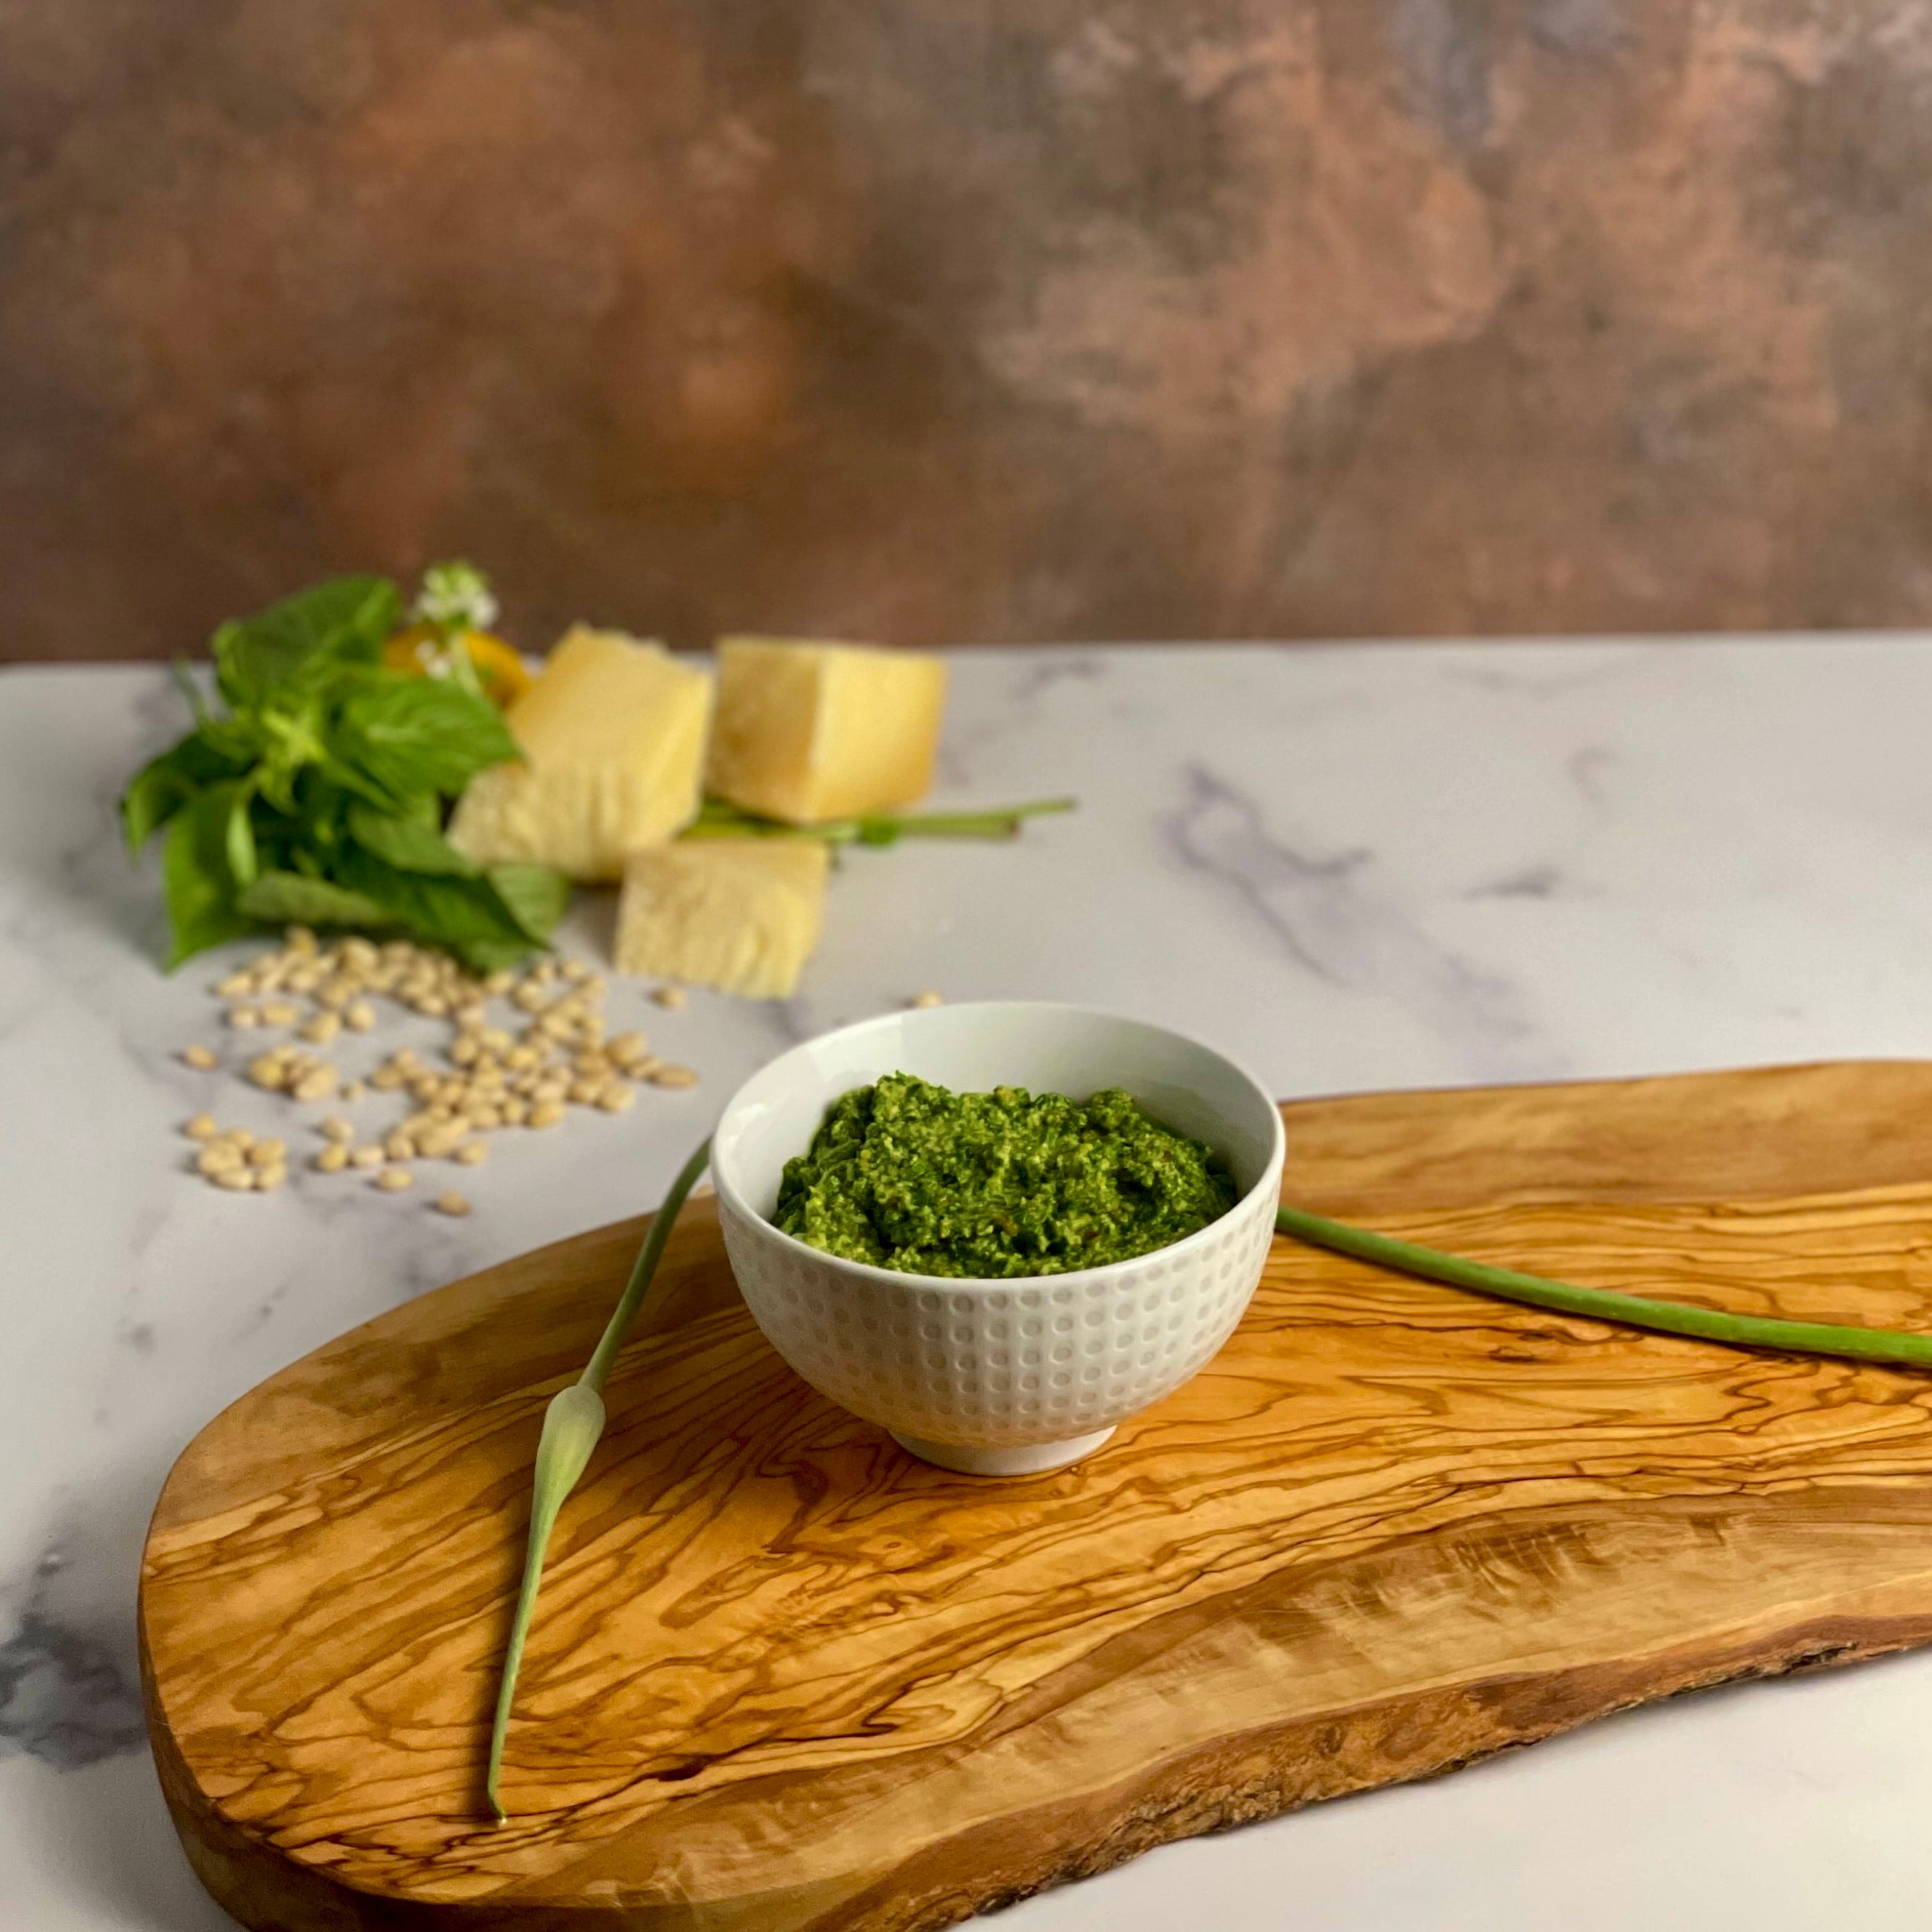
pixel 1358 866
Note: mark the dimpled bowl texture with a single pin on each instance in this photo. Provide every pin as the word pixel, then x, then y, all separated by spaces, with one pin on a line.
pixel 1009 1377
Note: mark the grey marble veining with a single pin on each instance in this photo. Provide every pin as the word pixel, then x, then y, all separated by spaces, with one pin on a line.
pixel 1354 867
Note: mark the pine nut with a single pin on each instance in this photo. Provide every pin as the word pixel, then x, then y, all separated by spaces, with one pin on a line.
pixel 923 1001
pixel 333 1159
pixel 365 1156
pixel 673 997
pixel 243 1016
pixel 268 1153
pixel 544 1113
pixel 322 1029
pixel 200 1127
pixel 201 1058
pixel 268 1179
pixel 471 1152
pixel 361 1016
pixel 335 1128
pixel 394 1180
pixel 451 1203
pixel 317 1084
pixel 673 1076
pixel 237 1180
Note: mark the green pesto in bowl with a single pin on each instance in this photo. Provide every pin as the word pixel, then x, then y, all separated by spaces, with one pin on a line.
pixel 907 1175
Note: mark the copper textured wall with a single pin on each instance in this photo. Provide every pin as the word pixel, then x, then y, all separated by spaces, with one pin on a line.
pixel 969 319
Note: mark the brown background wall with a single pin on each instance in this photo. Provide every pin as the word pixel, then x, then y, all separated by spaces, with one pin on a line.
pixel 969 319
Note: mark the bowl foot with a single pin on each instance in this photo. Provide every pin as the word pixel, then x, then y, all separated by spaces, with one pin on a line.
pixel 1031 1459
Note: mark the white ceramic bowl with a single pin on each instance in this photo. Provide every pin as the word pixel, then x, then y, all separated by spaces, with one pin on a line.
pixel 1008 1377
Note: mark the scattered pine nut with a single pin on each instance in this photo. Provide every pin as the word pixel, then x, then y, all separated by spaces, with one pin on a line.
pixel 929 998
pixel 484 1076
pixel 451 1202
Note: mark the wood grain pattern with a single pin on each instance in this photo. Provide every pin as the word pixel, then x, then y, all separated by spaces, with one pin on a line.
pixel 785 1679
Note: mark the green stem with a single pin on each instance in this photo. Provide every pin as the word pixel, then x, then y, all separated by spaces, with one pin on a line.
pixel 572 1423
pixel 1600 1304
pixel 718 820
pixel 597 1370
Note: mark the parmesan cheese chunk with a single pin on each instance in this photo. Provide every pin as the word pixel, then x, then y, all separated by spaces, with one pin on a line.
pixel 739 914
pixel 613 733
pixel 810 731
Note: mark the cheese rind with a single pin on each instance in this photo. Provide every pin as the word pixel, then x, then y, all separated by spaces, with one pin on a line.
pixel 613 733
pixel 807 731
pixel 741 915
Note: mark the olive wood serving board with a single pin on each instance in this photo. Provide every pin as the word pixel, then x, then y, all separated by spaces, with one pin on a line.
pixel 783 1677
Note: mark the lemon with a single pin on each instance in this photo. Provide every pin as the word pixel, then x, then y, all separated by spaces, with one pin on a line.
pixel 418 651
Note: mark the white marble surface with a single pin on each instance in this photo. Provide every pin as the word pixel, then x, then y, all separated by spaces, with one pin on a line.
pixel 1356 867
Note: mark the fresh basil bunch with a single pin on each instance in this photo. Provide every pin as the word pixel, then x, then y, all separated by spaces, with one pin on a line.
pixel 318 798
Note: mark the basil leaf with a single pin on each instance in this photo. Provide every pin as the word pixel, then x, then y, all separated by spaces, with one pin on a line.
pixel 239 839
pixel 411 844
pixel 414 735
pixel 491 955
pixel 164 784
pixel 196 876
pixel 458 914
pixel 345 621
pixel 534 895
pixel 282 899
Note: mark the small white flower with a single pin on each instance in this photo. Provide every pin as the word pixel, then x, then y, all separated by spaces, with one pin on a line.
pixel 455 594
